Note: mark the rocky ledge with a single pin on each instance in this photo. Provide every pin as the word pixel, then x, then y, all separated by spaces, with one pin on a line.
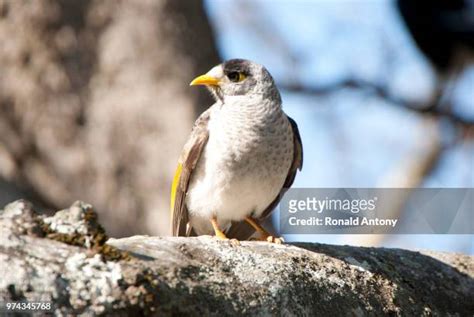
pixel 68 259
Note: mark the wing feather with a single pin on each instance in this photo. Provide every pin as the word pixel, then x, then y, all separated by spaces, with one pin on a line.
pixel 187 162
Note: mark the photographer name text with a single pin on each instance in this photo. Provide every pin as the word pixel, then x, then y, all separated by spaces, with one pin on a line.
pixel 342 222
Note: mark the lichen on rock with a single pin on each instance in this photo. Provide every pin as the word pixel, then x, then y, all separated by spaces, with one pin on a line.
pixel 76 225
pixel 92 280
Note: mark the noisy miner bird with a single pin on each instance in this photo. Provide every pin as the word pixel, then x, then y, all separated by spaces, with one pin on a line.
pixel 243 153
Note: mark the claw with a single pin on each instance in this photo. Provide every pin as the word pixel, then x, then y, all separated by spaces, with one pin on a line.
pixel 222 237
pixel 275 240
pixel 218 232
pixel 264 235
pixel 235 242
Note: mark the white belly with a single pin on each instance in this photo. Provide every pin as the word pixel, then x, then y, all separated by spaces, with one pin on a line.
pixel 232 184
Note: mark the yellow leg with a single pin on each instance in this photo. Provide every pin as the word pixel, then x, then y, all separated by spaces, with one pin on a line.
pixel 219 234
pixel 264 234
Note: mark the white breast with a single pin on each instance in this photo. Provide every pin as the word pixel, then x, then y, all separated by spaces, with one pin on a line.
pixel 242 168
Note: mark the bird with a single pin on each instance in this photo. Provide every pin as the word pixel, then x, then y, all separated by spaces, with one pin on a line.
pixel 243 153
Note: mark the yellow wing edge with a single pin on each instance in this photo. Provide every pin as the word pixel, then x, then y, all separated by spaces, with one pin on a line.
pixel 174 187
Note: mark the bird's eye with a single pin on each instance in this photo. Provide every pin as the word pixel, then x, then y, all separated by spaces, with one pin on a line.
pixel 235 76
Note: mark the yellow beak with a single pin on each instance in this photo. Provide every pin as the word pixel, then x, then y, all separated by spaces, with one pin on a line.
pixel 205 80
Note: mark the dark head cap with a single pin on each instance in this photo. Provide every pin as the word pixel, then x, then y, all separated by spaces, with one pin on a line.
pixel 237 65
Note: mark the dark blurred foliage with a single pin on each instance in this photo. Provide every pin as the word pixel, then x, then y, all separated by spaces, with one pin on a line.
pixel 440 27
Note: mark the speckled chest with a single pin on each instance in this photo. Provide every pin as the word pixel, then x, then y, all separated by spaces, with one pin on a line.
pixel 257 144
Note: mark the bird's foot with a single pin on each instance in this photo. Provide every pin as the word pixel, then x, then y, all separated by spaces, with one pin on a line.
pixel 222 237
pixel 269 238
pixel 264 234
pixel 273 239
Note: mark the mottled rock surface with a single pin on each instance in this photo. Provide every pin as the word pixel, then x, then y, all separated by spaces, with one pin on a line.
pixel 65 259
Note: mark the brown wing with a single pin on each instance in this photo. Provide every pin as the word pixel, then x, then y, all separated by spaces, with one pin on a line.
pixel 243 231
pixel 187 162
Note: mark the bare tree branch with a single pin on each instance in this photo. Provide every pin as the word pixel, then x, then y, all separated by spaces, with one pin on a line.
pixel 430 108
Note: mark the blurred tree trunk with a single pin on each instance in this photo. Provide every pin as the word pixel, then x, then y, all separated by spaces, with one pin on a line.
pixel 95 103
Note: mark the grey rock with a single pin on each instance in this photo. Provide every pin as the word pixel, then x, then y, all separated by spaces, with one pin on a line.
pixel 48 258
